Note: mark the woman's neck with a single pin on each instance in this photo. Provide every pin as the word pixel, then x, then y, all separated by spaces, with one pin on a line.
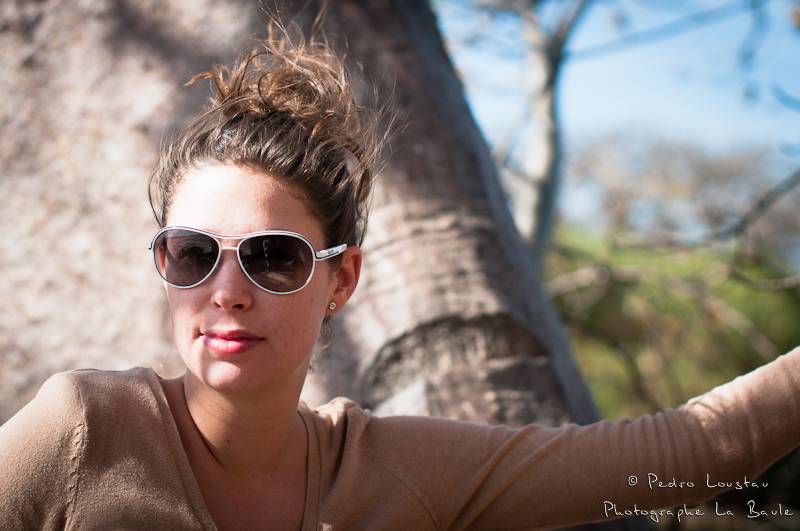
pixel 248 436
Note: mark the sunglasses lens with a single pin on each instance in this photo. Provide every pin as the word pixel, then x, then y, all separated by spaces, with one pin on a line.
pixel 277 262
pixel 183 257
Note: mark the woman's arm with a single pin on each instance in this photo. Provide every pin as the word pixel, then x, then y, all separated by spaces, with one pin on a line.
pixel 501 477
pixel 40 451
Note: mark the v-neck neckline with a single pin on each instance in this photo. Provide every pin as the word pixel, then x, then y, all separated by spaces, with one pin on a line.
pixel 193 494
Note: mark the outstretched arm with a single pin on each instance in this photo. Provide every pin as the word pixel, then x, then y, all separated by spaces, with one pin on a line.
pixel 474 476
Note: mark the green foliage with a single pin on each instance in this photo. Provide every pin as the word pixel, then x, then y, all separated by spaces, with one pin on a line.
pixel 652 328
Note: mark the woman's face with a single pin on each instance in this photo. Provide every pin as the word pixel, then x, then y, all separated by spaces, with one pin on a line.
pixel 232 200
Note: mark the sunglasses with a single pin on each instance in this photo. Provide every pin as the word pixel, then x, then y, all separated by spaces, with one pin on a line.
pixel 276 261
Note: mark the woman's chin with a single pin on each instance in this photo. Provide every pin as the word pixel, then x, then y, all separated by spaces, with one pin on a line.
pixel 228 378
pixel 225 374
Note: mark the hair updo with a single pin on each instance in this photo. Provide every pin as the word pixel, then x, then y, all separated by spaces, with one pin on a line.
pixel 286 108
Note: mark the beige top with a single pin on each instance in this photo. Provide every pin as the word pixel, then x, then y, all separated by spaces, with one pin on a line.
pixel 100 449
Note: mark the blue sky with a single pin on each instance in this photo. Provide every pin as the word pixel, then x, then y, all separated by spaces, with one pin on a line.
pixel 688 87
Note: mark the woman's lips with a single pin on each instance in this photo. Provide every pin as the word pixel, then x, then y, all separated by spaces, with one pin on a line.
pixel 224 343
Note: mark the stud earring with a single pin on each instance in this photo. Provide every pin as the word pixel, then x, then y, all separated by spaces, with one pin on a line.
pixel 332 306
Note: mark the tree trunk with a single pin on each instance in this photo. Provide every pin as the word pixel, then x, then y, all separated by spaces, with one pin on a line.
pixel 541 160
pixel 447 292
pixel 450 318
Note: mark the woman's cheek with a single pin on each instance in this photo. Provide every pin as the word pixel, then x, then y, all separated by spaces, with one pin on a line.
pixel 185 325
pixel 298 325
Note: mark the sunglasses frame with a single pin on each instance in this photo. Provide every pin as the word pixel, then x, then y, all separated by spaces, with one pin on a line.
pixel 318 256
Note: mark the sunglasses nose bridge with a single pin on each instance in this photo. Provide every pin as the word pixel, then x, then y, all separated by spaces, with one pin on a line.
pixel 220 260
pixel 228 248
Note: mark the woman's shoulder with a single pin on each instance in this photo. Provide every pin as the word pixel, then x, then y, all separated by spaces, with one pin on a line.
pixel 81 428
pixel 89 379
pixel 120 388
pixel 354 421
pixel 421 463
pixel 45 444
pixel 395 441
pixel 94 377
pixel 79 397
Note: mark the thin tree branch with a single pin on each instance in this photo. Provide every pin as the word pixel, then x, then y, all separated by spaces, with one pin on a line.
pixel 760 207
pixel 504 150
pixel 663 32
pixel 792 102
pixel 765 284
pixel 585 277
pixel 512 170
pixel 635 376
pixel 665 345
pixel 568 24
pixel 755 37
pixel 790 149
pixel 733 230
pixel 719 310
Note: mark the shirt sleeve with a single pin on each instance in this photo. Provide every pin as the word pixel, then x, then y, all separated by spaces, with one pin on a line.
pixel 472 476
pixel 40 451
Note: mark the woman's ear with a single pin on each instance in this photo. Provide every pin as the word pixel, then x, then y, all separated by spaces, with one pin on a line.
pixel 345 279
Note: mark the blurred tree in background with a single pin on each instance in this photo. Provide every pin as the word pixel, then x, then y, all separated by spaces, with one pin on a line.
pixel 684 276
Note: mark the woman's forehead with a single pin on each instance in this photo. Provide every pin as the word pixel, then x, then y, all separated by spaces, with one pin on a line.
pixel 231 199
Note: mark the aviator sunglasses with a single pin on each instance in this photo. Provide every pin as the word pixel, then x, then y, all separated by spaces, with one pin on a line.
pixel 276 261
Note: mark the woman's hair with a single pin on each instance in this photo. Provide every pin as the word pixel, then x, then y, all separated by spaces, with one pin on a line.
pixel 287 108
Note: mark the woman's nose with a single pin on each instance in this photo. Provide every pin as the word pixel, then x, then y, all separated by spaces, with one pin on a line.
pixel 232 290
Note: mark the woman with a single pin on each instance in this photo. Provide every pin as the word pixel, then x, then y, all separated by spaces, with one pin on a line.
pixel 262 204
